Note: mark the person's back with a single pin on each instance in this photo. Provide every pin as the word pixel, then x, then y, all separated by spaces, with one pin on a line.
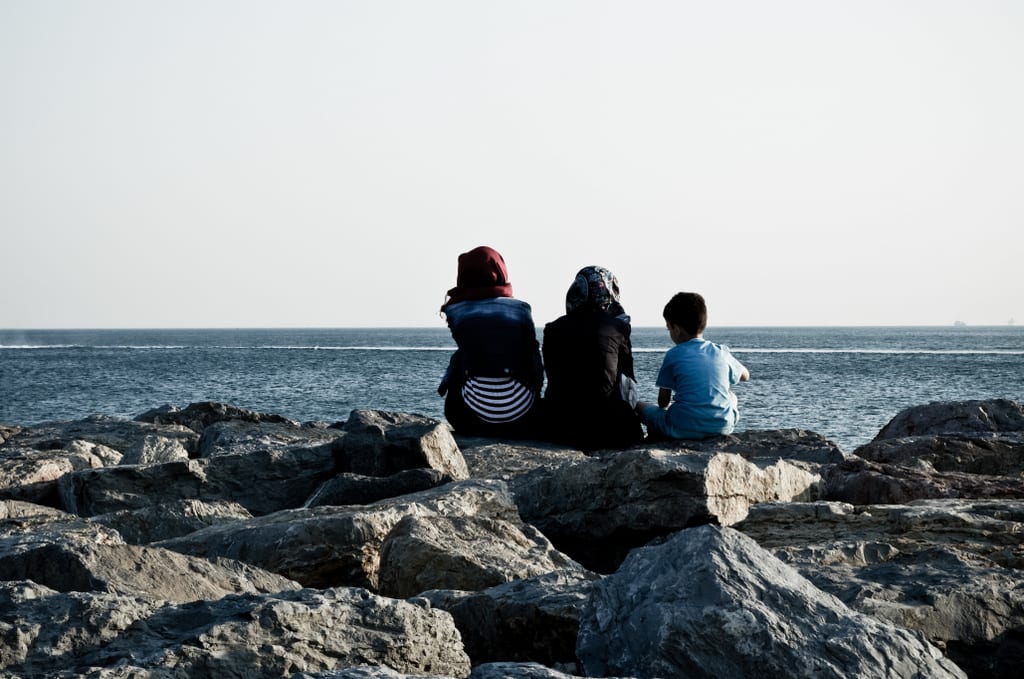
pixel 588 358
pixel 695 398
pixel 492 384
pixel 583 355
pixel 700 375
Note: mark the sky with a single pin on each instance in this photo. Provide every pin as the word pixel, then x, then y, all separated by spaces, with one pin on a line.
pixel 309 163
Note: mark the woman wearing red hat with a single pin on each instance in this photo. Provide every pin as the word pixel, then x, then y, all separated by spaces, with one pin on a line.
pixel 493 382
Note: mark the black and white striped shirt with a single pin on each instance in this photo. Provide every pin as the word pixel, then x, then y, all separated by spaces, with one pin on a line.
pixel 497 399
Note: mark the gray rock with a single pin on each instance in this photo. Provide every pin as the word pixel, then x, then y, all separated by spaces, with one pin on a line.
pixel 860 482
pixel 513 670
pixel 76 555
pixel 598 509
pixel 170 520
pixel 463 552
pixel 332 546
pixel 490 459
pixel 997 415
pixel 792 445
pixel 198 416
pixel 533 619
pixel 138 440
pixel 379 443
pixel 14 512
pixel 999 454
pixel 709 602
pixel 355 489
pixel 265 635
pixel 951 569
pixel 32 475
pixel 7 431
pixel 364 672
pixel 262 482
pixel 235 437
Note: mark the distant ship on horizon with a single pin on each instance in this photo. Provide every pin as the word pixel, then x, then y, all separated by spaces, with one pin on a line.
pixel 1012 321
pixel 959 324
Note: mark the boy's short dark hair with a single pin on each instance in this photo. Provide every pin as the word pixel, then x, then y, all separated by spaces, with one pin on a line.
pixel 688 311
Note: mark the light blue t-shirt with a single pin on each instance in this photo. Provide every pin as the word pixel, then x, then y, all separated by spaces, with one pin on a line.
pixel 701 375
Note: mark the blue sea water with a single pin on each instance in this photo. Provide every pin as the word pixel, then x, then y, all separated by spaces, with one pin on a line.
pixel 844 383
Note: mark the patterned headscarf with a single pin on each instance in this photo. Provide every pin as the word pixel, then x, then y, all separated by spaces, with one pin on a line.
pixel 595 289
pixel 482 275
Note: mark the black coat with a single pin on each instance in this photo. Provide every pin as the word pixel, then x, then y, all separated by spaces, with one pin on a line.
pixel 586 355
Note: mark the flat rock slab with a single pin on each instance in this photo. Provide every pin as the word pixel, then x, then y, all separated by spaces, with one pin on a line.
pixel 262 482
pixel 597 509
pixel 137 441
pixel 331 546
pixel 792 445
pixel 235 437
pixel 70 554
pixel 492 459
pixel 258 635
pixel 198 416
pixel 170 520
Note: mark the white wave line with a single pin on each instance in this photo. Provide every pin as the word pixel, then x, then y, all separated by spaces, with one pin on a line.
pixel 636 350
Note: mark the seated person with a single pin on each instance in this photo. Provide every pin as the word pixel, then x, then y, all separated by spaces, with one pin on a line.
pixel 591 392
pixel 695 398
pixel 493 381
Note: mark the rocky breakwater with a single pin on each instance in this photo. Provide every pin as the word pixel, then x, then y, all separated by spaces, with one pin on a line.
pixel 215 541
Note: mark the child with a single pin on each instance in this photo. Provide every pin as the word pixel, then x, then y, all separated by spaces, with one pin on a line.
pixel 696 377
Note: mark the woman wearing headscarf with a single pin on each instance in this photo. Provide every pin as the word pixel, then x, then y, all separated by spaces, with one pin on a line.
pixel 493 382
pixel 591 392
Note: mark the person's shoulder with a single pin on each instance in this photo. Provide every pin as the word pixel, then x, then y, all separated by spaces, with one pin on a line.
pixel 558 324
pixel 511 303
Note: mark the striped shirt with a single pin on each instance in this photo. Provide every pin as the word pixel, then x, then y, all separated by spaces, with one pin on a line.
pixel 497 399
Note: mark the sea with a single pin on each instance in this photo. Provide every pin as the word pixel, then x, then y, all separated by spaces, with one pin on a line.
pixel 844 383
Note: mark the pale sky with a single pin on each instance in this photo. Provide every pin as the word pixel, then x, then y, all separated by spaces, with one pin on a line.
pixel 322 164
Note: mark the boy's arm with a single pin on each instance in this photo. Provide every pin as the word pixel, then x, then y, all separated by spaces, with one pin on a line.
pixel 664 397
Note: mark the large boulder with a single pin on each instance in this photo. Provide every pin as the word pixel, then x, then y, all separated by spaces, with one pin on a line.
pixel 32 475
pixel 7 431
pixel 993 454
pixel 235 437
pixel 356 489
pixel 380 443
pixel 170 520
pixel 792 445
pixel 492 459
pixel 70 554
pixel 332 546
pixel 951 569
pixel 709 602
pixel 861 482
pixel 198 416
pixel 255 635
pixel 598 509
pixel 533 619
pixel 463 552
pixel 262 482
pixel 956 417
pixel 138 442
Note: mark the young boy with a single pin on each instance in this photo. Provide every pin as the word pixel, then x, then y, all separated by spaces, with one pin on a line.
pixel 695 399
